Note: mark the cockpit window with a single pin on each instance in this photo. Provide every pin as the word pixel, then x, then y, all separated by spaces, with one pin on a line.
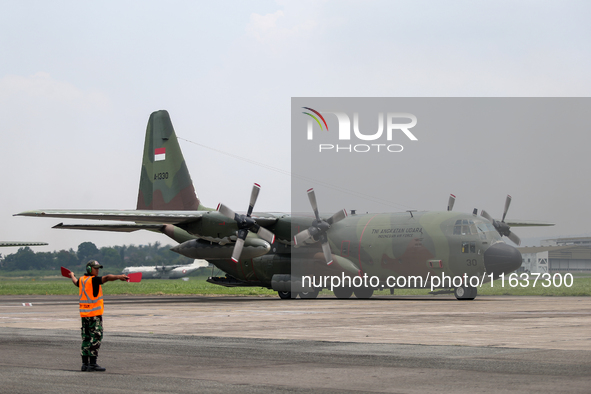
pixel 483 228
pixel 465 227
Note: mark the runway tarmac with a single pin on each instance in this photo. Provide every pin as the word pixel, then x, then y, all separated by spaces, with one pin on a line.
pixel 261 344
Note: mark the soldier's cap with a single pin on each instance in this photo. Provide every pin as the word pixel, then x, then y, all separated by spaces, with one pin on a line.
pixel 94 264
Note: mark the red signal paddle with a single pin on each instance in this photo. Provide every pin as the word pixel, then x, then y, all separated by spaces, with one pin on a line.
pixel 135 277
pixel 66 272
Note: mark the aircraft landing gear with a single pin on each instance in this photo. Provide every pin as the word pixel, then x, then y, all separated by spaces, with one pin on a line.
pixel 343 292
pixel 465 293
pixel 284 295
pixel 363 292
pixel 309 294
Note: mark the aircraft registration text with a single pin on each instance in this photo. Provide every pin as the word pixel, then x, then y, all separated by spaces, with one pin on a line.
pixel 161 175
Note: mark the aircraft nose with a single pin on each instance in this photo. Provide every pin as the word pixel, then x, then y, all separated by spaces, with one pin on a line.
pixel 501 258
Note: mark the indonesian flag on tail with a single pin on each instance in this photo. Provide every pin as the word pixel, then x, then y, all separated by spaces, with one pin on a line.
pixel 159 154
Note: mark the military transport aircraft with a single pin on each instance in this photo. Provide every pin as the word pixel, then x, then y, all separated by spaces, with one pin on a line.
pixel 8 243
pixel 166 271
pixel 260 249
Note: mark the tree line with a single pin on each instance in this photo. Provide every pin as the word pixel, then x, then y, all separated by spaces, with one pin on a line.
pixel 113 258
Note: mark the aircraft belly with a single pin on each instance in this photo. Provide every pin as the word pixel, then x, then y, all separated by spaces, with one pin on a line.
pixel 258 270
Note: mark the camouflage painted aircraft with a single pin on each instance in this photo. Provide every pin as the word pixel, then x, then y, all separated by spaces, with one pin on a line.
pixel 259 249
pixel 166 271
pixel 8 243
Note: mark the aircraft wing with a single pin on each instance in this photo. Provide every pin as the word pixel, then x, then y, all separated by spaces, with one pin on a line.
pixel 138 216
pixel 123 228
pixel 526 223
pixel 6 243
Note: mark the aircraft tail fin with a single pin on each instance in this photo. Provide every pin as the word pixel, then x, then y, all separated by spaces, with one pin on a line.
pixel 165 183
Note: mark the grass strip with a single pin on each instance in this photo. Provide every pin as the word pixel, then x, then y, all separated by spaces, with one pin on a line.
pixel 54 285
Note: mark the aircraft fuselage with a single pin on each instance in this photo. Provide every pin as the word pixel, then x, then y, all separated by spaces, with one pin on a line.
pixel 383 245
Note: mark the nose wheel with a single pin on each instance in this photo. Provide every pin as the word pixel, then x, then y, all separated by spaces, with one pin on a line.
pixel 465 293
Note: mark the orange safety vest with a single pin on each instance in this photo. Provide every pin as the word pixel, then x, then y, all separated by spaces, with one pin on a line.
pixel 89 305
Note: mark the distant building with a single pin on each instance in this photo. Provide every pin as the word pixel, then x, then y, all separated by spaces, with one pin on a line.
pixel 567 241
pixel 558 255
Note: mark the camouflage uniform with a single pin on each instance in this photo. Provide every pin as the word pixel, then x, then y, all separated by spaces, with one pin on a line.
pixel 92 335
pixel 91 313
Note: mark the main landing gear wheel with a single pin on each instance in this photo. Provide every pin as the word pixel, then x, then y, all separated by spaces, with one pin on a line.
pixel 343 292
pixel 309 294
pixel 284 295
pixel 465 293
pixel 363 292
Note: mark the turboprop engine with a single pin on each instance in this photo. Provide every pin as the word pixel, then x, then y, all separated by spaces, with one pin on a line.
pixel 206 250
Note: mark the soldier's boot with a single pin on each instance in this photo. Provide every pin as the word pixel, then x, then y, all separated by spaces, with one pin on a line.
pixel 93 366
pixel 84 363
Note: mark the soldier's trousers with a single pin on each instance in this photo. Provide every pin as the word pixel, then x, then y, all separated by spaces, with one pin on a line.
pixel 92 335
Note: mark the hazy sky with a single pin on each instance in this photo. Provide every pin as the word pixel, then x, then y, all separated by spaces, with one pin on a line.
pixel 78 81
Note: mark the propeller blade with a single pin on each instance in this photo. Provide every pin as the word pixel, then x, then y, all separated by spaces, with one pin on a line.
pixel 245 224
pixel 451 202
pixel 227 212
pixel 312 198
pixel 237 250
pixel 327 253
pixel 502 227
pixel 337 217
pixel 266 235
pixel 514 238
pixel 507 203
pixel 301 237
pixel 256 188
pixel 486 216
